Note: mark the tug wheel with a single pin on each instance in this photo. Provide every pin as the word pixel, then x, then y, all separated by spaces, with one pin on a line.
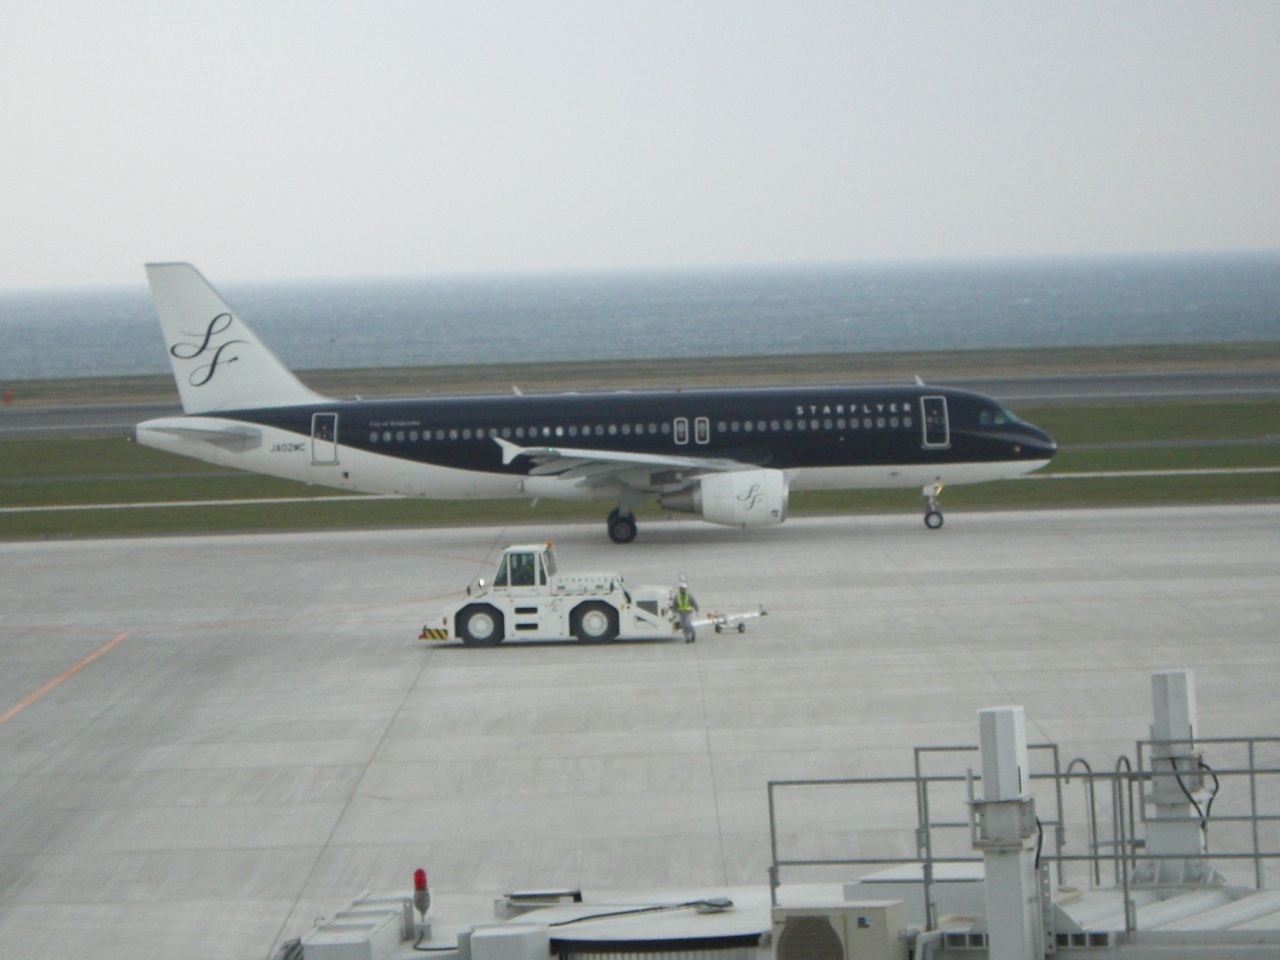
pixel 480 625
pixel 594 623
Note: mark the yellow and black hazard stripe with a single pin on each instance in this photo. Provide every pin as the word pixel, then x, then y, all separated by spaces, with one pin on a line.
pixel 434 633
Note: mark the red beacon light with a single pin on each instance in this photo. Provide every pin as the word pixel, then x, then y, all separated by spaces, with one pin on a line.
pixel 421 895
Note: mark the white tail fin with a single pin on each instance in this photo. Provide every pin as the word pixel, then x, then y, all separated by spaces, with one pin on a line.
pixel 218 362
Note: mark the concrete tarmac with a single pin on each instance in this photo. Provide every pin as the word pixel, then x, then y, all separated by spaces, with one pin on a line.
pixel 269 739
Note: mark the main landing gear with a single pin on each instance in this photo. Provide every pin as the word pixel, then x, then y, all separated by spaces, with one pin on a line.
pixel 932 515
pixel 622 527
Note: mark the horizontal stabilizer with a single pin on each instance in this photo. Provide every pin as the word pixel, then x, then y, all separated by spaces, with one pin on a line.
pixel 217 360
pixel 227 434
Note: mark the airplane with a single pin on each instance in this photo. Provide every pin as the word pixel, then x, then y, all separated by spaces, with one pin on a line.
pixel 728 456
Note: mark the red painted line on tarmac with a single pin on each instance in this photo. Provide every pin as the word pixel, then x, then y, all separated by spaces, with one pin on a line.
pixel 101 651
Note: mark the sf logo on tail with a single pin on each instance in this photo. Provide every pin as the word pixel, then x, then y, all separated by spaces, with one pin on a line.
pixel 203 344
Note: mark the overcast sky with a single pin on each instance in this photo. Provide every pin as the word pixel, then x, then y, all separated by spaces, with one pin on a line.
pixel 332 140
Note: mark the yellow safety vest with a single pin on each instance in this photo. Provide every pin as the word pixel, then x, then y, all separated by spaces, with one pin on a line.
pixel 684 602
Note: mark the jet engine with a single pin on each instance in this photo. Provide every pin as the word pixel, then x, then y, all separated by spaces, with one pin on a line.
pixel 752 498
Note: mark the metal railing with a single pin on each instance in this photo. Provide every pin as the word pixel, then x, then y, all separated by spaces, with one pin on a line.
pixel 1127 787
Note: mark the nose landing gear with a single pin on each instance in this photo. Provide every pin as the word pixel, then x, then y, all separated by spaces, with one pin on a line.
pixel 932 515
pixel 622 527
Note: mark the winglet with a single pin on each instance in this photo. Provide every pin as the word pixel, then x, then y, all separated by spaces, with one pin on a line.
pixel 919 382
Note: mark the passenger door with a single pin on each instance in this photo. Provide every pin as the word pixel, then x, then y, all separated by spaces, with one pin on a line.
pixel 937 427
pixel 324 439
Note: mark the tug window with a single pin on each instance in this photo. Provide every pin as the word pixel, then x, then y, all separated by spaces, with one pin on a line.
pixel 523 566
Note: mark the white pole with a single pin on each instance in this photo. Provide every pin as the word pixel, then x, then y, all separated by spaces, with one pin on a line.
pixel 1007 835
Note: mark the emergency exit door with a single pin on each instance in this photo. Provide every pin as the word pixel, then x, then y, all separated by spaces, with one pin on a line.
pixel 324 438
pixel 937 428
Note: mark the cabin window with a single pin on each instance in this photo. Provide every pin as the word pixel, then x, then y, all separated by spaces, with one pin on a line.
pixel 466 434
pixel 787 424
pixel 613 429
pixel 826 424
pixel 453 434
pixel 866 422
pixel 748 426
pixel 413 435
pixel 626 429
pixel 520 432
pixel 586 431
pixel 546 431
pixel 880 422
pixel 906 421
pixel 774 425
pixel 813 424
pixel 573 430
pixel 506 433
pixel 373 436
pixel 559 431
pixel 399 436
pixel 665 427
pixel 386 436
pixel 599 429
pixel 893 421
pixel 840 424
pixel 801 424
pixel 721 427
pixel 735 426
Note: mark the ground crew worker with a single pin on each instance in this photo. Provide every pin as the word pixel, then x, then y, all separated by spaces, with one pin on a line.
pixel 685 605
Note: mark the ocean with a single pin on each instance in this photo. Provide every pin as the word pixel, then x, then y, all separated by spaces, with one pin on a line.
pixel 684 313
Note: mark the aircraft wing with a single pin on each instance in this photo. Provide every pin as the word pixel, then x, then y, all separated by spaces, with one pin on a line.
pixel 593 467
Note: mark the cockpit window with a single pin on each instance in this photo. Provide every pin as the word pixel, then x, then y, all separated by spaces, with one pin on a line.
pixel 997 417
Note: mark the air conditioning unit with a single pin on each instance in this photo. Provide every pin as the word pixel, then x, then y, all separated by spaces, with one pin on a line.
pixel 859 930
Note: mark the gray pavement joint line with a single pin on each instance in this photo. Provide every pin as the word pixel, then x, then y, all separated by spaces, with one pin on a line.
pixel 711 765
pixel 355 789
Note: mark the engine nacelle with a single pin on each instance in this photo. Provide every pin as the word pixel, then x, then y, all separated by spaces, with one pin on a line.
pixel 752 498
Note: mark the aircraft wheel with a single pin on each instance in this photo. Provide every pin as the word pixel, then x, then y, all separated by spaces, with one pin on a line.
pixel 480 625
pixel 622 527
pixel 933 519
pixel 594 623
pixel 719 628
pixel 742 628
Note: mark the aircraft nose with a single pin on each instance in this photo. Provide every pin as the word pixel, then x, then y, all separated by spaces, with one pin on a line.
pixel 1040 443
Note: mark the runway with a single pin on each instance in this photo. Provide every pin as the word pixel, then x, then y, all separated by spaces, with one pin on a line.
pixel 112 420
pixel 269 739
